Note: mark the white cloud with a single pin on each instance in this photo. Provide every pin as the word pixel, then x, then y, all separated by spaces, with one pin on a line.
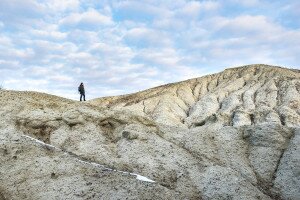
pixel 9 64
pixel 28 8
pixel 256 24
pixel 5 41
pixel 185 15
pixel 290 13
pixel 89 18
pixel 170 24
pixel 210 5
pixel 194 8
pixel 247 3
pixel 166 57
pixel 117 47
pixel 243 25
pixel 17 53
pixel 83 60
pixel 142 8
pixel 135 81
pixel 46 46
pixel 113 52
pixel 27 84
pixel 56 35
pixel 58 5
pixel 144 37
pixel 61 78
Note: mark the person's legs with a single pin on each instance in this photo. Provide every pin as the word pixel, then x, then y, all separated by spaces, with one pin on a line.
pixel 80 97
pixel 84 96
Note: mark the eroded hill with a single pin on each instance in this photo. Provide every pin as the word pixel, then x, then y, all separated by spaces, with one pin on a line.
pixel 231 135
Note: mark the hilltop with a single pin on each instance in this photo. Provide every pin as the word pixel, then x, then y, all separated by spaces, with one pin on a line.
pixel 230 135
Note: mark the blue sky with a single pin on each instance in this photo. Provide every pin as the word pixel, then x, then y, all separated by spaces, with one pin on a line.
pixel 118 47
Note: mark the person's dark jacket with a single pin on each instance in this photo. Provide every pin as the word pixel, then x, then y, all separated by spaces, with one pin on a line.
pixel 81 89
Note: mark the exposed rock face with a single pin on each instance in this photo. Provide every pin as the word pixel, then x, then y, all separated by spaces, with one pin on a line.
pixel 231 135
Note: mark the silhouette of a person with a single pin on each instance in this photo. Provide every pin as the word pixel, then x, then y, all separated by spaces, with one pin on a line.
pixel 81 91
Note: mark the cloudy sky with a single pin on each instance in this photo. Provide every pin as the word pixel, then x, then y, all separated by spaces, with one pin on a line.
pixel 123 46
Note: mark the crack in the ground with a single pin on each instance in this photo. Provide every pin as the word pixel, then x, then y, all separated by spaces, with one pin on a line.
pixel 281 155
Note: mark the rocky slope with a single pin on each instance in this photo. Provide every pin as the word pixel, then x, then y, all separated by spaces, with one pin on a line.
pixel 231 135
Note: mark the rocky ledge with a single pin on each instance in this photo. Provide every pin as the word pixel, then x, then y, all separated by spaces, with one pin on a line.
pixel 231 135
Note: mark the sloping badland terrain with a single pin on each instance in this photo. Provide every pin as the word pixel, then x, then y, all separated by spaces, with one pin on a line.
pixel 231 135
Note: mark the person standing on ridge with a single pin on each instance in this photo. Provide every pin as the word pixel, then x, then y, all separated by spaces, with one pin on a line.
pixel 81 91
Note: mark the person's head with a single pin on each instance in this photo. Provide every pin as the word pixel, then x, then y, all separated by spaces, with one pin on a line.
pixel 81 83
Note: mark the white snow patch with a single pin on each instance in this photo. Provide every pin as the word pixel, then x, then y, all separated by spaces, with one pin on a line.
pixel 94 164
pixel 143 178
pixel 40 142
pixel 138 177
